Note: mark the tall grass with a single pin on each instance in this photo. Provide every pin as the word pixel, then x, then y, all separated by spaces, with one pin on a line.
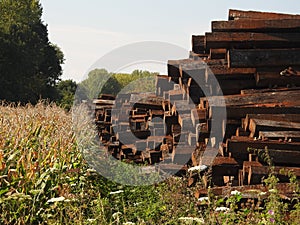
pixel 45 180
pixel 38 159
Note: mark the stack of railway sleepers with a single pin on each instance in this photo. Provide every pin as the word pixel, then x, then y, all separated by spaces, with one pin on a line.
pixel 258 124
pixel 256 49
pixel 254 58
pixel 147 128
pixel 249 65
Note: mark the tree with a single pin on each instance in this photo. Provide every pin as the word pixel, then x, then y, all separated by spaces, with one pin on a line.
pixel 95 81
pixel 30 65
pixel 112 86
pixel 100 81
pixel 66 91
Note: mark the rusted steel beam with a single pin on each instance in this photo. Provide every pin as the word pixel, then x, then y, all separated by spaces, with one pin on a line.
pixel 141 145
pixel 218 161
pixel 241 15
pixel 267 79
pixel 195 93
pixel 155 156
pixel 175 95
pixel 246 168
pixel 239 112
pixel 181 107
pixel 284 157
pixel 169 120
pixel 257 125
pixel 176 129
pixel 176 68
pixel 252 99
pixel 229 127
pixel 163 83
pixel 172 168
pixel 215 62
pixel 280 25
pixel 193 70
pixel 240 148
pixel 276 117
pixel 268 90
pixel 231 87
pixel 192 139
pixel 156 113
pixel 173 67
pixel 185 82
pixel 263 57
pixel 196 56
pixel 223 166
pixel 241 132
pixel 103 102
pixel 247 40
pixel 225 73
pixel 198 116
pixel 282 170
pixel 208 155
pixel 198 44
pixel 158 131
pixel 241 144
pixel 149 105
pixel 284 135
pixel 182 154
pixel 185 122
pixel 107 97
pixel 217 53
pixel 256 173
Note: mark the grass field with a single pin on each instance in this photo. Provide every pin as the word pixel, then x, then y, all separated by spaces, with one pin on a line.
pixel 45 180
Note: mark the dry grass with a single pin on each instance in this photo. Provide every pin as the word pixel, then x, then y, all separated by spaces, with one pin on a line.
pixel 33 140
pixel 37 150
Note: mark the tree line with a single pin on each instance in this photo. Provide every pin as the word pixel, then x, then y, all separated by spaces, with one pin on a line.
pixel 31 66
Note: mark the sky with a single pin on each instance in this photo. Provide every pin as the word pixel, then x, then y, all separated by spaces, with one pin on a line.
pixel 88 30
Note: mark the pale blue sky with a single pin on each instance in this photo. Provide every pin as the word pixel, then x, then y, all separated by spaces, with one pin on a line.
pixel 88 29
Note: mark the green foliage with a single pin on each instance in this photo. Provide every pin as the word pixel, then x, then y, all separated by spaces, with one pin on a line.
pixel 100 81
pixel 66 90
pixel 138 81
pixel 95 80
pixel 30 65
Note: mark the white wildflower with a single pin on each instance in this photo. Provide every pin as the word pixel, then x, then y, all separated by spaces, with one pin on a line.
pixel 235 192
pixel 197 168
pixel 116 192
pixel 221 209
pixel 116 215
pixel 91 170
pixel 199 220
pixel 59 199
pixel 203 199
